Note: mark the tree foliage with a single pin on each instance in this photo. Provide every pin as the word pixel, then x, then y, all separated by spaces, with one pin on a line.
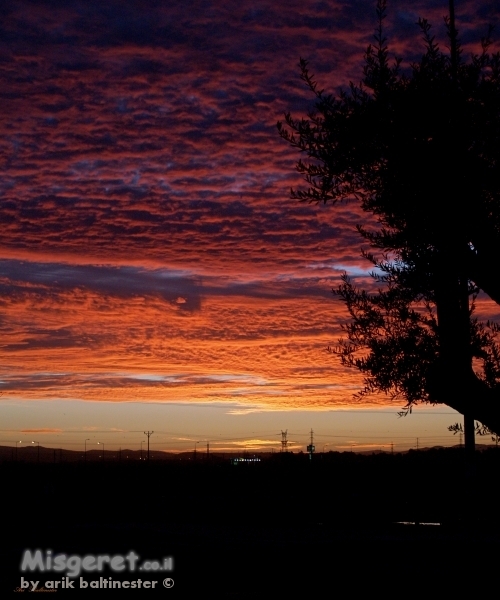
pixel 419 149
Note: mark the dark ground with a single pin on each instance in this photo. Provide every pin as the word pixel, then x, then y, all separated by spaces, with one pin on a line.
pixel 283 527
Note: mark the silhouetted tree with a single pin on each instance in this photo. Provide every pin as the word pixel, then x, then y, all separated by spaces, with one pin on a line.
pixel 419 150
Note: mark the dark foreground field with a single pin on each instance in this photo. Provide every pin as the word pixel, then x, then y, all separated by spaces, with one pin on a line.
pixel 285 527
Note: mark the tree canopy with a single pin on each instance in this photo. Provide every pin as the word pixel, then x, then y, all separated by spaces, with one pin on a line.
pixel 419 149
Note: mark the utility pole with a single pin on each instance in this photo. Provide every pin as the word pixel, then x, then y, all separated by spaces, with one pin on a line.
pixel 149 434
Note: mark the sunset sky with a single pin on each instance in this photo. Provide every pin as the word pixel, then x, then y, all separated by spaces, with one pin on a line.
pixel 154 273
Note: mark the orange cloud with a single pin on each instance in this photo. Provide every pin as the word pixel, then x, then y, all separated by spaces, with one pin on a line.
pixel 150 251
pixel 44 430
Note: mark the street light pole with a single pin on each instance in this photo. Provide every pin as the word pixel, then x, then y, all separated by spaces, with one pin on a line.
pixel 38 450
pixel 102 450
pixel 195 444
